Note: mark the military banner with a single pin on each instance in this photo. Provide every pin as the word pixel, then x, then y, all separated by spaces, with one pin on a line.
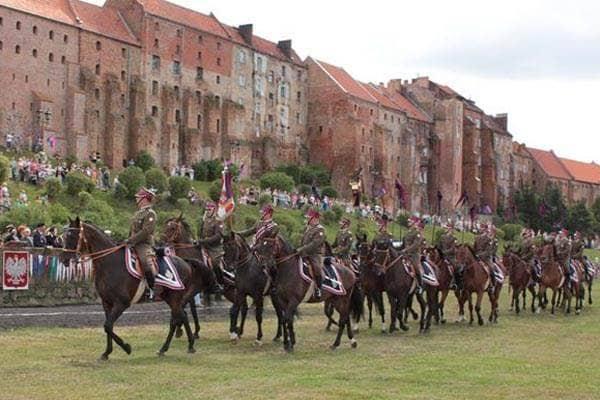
pixel 15 271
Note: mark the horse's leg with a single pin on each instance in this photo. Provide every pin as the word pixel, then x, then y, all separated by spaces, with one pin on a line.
pixel 244 311
pixel 329 310
pixel 553 300
pixel 441 305
pixel 194 311
pixel 179 330
pixel 515 300
pixel 542 296
pixel 531 289
pixel 176 320
pixel 188 331
pixel 423 306
pixel 342 306
pixel 370 308
pixel 381 308
pixel 291 332
pixel 470 300
pixel 461 297
pixel 109 345
pixel 234 311
pixel 353 342
pixel 393 313
pixel 478 306
pixel 258 302
pixel 590 290
pixel 279 314
pixel 568 295
pixel 111 317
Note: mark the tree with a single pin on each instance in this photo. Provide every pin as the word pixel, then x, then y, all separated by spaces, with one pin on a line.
pixel 528 207
pixel 145 161
pixel 179 187
pixel 4 168
pixel 156 179
pixel 132 178
pixel 77 182
pixel 555 215
pixel 276 180
pixel 579 218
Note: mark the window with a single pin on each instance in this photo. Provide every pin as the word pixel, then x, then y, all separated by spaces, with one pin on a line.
pixel 259 63
pixel 51 35
pixel 199 121
pixel 1 45
pixel 18 49
pixel 155 63
pixel 98 46
pixel 124 52
pixel 1 21
pixel 298 96
pixel 34 53
pixel 97 94
pixel 218 61
pixel 271 77
pixel 18 25
pixel 179 33
pixel 176 67
pixel 63 60
pixel 283 71
pixel 242 57
pixel 177 116
pixel 283 91
pixel 156 43
pixel 371 111
pixel 242 80
pixel 51 57
pixel 176 89
pixel 198 96
pixel 35 30
pixel 218 125
pixel 218 80
pixel 154 111
pixel 297 118
pixel 123 75
pixel 26 78
pixel 178 49
pixel 97 69
pixel 199 73
pixel 156 26
pixel 66 39
pixel 299 74
pixel 154 88
pixel 320 129
pixel 199 55
pixel 355 108
pixel 218 45
pixel 199 38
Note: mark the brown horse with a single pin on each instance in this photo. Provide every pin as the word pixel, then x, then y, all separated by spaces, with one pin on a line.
pixel 568 288
pixel 177 235
pixel 476 279
pixel 519 273
pixel 290 290
pixel 372 281
pixel 118 290
pixel 445 271
pixel 553 276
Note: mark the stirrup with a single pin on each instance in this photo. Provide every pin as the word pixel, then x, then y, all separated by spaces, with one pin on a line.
pixel 318 293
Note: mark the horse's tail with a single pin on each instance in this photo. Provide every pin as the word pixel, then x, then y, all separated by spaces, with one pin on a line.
pixel 357 306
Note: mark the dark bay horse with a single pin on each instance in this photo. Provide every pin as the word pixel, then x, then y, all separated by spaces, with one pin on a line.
pixel 520 279
pixel 444 275
pixel 567 289
pixel 476 279
pixel 118 290
pixel 372 282
pixel 251 279
pixel 177 235
pixel 290 290
pixel 552 277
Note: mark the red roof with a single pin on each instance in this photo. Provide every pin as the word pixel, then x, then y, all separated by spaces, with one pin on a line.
pixel 549 163
pixel 103 21
pixel 582 172
pixel 381 97
pixel 408 106
pixel 185 16
pixel 346 82
pixel 263 46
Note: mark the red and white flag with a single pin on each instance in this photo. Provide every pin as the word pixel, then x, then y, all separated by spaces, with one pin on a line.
pixel 226 201
pixel 16 269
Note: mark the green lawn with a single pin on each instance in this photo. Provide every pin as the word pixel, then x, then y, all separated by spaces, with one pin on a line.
pixel 525 357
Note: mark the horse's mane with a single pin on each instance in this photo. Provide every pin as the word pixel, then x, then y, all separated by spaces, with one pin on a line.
pixel 470 248
pixel 99 233
pixel 285 245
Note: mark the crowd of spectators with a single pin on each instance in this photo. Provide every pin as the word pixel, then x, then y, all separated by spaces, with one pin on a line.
pixel 41 237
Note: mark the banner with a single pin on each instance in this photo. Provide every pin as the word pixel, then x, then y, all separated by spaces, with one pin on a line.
pixel 226 201
pixel 15 271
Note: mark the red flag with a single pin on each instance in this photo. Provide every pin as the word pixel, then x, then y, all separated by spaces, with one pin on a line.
pixel 226 201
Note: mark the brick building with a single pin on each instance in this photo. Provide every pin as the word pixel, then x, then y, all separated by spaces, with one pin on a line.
pixel 354 125
pixel 149 75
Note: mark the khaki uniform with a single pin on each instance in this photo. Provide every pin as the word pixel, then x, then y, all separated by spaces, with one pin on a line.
pixel 577 249
pixel 262 229
pixel 448 245
pixel 311 248
pixel 209 236
pixel 140 238
pixel 343 244
pixel 484 248
pixel 383 236
pixel 413 244
pixel 563 251
pixel 527 249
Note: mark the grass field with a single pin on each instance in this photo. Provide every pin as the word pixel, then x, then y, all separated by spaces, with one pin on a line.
pixel 525 357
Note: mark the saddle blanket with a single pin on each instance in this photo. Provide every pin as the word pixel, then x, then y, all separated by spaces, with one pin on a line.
pixel 497 274
pixel 573 272
pixel 537 269
pixel 167 273
pixel 429 276
pixel 332 281
pixel 228 275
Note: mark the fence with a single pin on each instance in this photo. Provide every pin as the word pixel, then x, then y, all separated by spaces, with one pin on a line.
pixel 38 277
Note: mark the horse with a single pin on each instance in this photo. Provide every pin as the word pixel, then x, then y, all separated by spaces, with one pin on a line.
pixel 290 290
pixel 444 274
pixel 251 279
pixel 476 279
pixel 553 276
pixel 177 235
pixel 372 282
pixel 589 275
pixel 399 283
pixel 520 279
pixel 569 288
pixel 118 290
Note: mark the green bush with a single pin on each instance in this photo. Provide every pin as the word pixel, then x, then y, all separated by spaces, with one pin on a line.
pixel 4 168
pixel 329 192
pixel 292 170
pixel 276 180
pixel 29 216
pixel 77 182
pixel 500 234
pixel 133 179
pixel 156 179
pixel 339 212
pixel 329 217
pixel 53 188
pixel 512 232
pixel 304 189
pixel 264 199
pixel 289 224
pixel 144 161
pixel 179 187
pixel 315 174
pixel 436 236
pixel 402 220
pixel 214 191
pixel 70 160
pixel 121 191
pixel 208 171
pixel 58 214
pixel 249 221
pixel 182 204
pixel 84 199
pixel 200 171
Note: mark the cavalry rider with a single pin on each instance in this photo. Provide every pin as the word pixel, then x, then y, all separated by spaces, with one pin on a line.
pixel 209 233
pixel 311 248
pixel 563 251
pixel 142 229
pixel 343 242
pixel 264 228
pixel 485 248
pixel 383 235
pixel 527 246
pixel 413 245
pixel 447 246
pixel 577 247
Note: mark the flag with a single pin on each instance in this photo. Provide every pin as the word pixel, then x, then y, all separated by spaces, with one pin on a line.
pixel 401 192
pixel 440 196
pixel 464 199
pixel 226 201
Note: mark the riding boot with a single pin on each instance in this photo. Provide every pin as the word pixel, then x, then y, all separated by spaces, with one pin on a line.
pixel 419 282
pixel 318 287
pixel 149 279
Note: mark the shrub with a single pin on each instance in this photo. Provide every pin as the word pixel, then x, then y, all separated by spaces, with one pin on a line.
pixel 133 179
pixel 304 189
pixel 182 204
pixel 277 180
pixel 70 160
pixel 249 221
pixel 292 170
pixel 402 220
pixel 436 236
pixel 338 211
pixel 200 171
pixel 24 216
pixel 208 171
pixel 121 191
pixel 4 168
pixel 156 179
pixel 58 214
pixel 84 199
pixel 511 231
pixel 329 217
pixel 77 182
pixel 179 187
pixel 329 192
pixel 214 191
pixel 53 188
pixel 264 199
pixel 500 234
pixel 144 161
pixel 316 174
pixel 289 224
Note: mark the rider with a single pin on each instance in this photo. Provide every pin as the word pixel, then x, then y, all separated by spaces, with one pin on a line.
pixel 563 251
pixel 311 247
pixel 485 247
pixel 383 235
pixel 527 246
pixel 413 244
pixel 343 241
pixel 142 229
pixel 265 227
pixel 577 248
pixel 447 245
pixel 209 233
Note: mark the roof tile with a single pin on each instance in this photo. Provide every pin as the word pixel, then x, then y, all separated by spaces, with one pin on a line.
pixel 102 20
pixel 347 82
pixel 581 171
pixel 550 163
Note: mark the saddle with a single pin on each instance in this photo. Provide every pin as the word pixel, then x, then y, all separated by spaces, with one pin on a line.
pixel 332 281
pixel 163 268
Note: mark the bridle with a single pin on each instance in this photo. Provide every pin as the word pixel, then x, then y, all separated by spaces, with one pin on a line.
pixel 240 263
pixel 82 243
pixel 277 245
pixel 385 265
pixel 177 233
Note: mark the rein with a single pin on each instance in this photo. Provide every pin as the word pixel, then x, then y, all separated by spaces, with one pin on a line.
pixel 94 255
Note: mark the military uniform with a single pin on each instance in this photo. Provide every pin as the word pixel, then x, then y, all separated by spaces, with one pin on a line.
pixel 577 247
pixel 448 245
pixel 209 236
pixel 413 244
pixel 484 248
pixel 266 228
pixel 140 238
pixel 311 248
pixel 343 244
pixel 527 249
pixel 563 251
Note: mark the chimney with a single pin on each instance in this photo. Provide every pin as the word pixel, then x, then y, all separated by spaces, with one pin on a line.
pixel 502 121
pixel 421 81
pixel 246 32
pixel 395 84
pixel 286 47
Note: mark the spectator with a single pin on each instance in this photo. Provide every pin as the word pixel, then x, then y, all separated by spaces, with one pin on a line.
pixel 52 239
pixel 24 235
pixel 39 236
pixel 10 234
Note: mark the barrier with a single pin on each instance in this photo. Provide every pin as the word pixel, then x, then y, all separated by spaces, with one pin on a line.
pixel 37 277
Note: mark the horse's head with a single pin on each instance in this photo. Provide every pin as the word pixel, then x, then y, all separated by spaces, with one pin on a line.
pixel 433 254
pixel 269 248
pixel 464 255
pixel 73 240
pixel 234 248
pixel 176 230
pixel 381 254
pixel 548 252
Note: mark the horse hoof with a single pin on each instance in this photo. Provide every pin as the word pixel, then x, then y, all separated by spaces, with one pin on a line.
pixel 127 348
pixel 480 322
pixel 178 333
pixel 328 329
pixel 103 357
pixel 404 328
pixel 196 336
pixel 577 312
pixel 258 343
pixel 277 339
pixel 333 347
pixel 353 343
pixel 191 350
pixel 160 353
pixel 443 321
pixel 233 337
pixel 289 349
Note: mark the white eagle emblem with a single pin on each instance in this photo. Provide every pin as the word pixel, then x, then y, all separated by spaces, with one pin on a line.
pixel 17 270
